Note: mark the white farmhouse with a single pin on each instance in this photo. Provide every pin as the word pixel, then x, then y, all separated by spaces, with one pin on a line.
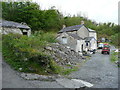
pixel 78 37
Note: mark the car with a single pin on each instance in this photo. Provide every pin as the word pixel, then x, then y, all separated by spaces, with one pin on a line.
pixel 106 49
pixel 100 45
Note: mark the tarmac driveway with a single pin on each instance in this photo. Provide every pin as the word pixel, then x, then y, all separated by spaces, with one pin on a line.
pixel 99 70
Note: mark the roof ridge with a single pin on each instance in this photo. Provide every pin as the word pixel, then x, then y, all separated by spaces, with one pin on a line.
pixel 71 28
pixel 6 23
pixel 74 25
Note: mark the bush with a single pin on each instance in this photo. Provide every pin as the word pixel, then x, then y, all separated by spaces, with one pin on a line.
pixel 114 56
pixel 46 36
pixel 115 39
pixel 26 53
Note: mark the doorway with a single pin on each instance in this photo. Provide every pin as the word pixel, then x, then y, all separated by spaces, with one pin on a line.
pixel 24 33
pixel 82 47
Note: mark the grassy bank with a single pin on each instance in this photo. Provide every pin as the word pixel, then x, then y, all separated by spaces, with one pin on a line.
pixel 114 57
pixel 26 54
pixel 0 43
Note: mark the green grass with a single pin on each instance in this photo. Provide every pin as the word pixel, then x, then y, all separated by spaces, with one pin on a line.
pixel 0 43
pixel 114 56
pixel 18 48
pixel 0 46
pixel 68 71
pixel 28 53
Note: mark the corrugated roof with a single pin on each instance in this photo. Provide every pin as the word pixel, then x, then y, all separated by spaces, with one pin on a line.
pixel 5 23
pixel 75 36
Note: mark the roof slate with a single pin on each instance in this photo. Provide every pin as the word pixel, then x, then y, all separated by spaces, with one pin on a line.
pixel 5 23
pixel 74 28
pixel 71 28
pixel 75 36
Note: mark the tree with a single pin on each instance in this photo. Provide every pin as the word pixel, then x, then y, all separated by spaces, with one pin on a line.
pixel 52 19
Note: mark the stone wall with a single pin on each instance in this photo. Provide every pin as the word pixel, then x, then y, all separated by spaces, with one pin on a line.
pixel 6 30
pixel 0 30
pixel 93 34
pixel 63 55
pixel 83 32
pixel 71 42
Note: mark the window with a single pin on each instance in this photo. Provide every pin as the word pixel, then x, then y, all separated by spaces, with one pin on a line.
pixel 64 40
pixel 87 44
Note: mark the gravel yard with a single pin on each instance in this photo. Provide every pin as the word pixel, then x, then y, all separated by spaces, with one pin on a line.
pixel 99 70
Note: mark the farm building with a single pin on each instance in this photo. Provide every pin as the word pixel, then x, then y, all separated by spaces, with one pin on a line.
pixel 7 27
pixel 78 37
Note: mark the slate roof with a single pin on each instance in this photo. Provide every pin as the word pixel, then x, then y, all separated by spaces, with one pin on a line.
pixel 71 28
pixel 74 28
pixel 4 23
pixel 87 39
pixel 74 36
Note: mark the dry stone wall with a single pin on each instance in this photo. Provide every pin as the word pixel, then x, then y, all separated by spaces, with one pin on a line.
pixel 5 30
pixel 64 55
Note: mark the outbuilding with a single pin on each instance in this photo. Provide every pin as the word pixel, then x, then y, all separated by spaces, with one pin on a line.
pixel 7 27
pixel 78 37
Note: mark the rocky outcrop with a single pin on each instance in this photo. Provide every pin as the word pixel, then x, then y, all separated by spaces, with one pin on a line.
pixel 63 55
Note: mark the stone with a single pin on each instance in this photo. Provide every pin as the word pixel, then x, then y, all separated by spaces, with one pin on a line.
pixel 25 59
pixel 87 84
pixel 67 83
pixel 63 55
pixel 48 48
pixel 116 62
pixel 20 69
pixel 11 30
pixel 31 76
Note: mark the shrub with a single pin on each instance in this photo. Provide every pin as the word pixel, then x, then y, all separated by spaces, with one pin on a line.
pixel 114 56
pixel 115 39
pixel 26 52
pixel 46 36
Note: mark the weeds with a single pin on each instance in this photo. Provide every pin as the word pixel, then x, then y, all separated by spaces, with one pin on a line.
pixel 114 56
pixel 26 54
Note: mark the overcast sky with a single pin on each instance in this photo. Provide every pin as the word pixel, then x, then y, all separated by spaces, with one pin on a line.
pixel 98 10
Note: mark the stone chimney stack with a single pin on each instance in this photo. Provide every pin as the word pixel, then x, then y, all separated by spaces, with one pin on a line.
pixel 82 22
pixel 64 26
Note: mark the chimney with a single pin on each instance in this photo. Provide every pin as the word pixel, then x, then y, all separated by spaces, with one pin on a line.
pixel 64 26
pixel 82 22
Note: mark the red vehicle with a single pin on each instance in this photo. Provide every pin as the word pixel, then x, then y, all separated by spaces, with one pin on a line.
pixel 106 49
